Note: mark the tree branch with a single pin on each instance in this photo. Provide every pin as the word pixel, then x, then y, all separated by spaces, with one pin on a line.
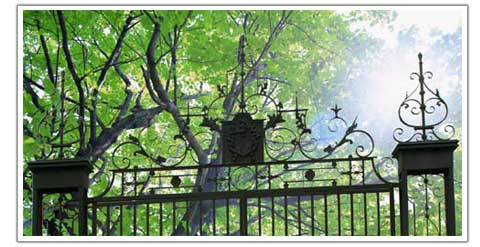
pixel 112 59
pixel 162 95
pixel 77 80
pixel 28 87
pixel 138 119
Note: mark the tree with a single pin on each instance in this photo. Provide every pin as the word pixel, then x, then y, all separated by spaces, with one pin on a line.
pixel 93 79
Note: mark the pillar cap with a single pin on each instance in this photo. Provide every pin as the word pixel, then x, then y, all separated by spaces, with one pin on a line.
pixel 38 165
pixel 405 146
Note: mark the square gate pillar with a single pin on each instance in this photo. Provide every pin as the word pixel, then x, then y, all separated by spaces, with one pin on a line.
pixel 59 176
pixel 421 158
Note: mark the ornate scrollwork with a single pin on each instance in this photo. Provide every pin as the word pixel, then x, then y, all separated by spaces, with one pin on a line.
pixel 281 142
pixel 248 140
pixel 423 113
pixel 176 150
pixel 243 178
pixel 386 168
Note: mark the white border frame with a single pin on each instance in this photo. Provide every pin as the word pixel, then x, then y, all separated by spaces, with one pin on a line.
pixel 464 139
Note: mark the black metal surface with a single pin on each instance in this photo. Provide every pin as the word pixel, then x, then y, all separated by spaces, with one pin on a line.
pixel 242 140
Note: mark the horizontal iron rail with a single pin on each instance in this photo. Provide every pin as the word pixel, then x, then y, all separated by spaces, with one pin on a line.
pixel 325 190
pixel 288 162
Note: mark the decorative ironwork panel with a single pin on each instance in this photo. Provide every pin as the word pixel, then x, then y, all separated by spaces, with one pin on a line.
pixel 242 139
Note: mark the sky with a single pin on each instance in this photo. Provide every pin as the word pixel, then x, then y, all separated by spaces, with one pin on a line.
pixel 382 85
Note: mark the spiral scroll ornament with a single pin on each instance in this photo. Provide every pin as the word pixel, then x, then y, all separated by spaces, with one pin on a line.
pixel 424 110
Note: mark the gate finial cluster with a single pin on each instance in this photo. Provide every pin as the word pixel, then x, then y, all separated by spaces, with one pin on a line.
pixel 423 111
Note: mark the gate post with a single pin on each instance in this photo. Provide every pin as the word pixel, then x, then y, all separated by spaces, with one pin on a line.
pixel 59 176
pixel 427 150
pixel 449 201
pixel 423 158
pixel 403 202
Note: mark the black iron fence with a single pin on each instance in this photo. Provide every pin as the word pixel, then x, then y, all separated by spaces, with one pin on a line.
pixel 295 198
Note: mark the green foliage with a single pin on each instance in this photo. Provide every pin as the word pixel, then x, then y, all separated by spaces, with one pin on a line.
pixel 314 54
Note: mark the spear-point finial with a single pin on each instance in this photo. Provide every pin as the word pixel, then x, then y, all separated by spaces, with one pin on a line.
pixel 420 56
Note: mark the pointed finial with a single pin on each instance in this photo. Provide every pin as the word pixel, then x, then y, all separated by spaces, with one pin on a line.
pixel 336 110
pixel 241 61
pixel 420 56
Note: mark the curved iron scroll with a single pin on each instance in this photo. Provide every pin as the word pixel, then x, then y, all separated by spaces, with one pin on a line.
pixel 282 143
pixel 241 177
pixel 420 113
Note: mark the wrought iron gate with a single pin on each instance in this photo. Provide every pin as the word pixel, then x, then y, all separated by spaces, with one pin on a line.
pixel 291 207
pixel 306 187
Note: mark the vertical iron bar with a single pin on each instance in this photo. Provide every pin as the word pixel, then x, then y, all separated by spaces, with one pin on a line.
pixel 94 219
pixel 242 73
pixel 134 218
pixel 269 177
pixel 363 172
pixel 229 179
pixel 312 214
pixel 422 97
pixel 135 182
pixel 200 216
pixel 121 219
pixel 439 219
pixel 161 219
pixel 108 221
pixel 228 213
pixel 299 217
pixel 339 216
pixel 378 214
pixel 403 179
pixel 259 216
pixel 392 212
pixel 214 209
pixel 273 213
pixel 243 216
pixel 414 220
pixel 187 227
pixel 123 183
pixel 148 219
pixel 256 177
pixel 216 179
pixel 285 210
pixel 426 225
pixel 365 213
pixel 427 209
pixel 350 172
pixel 326 214
pixel 352 225
pixel 174 216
